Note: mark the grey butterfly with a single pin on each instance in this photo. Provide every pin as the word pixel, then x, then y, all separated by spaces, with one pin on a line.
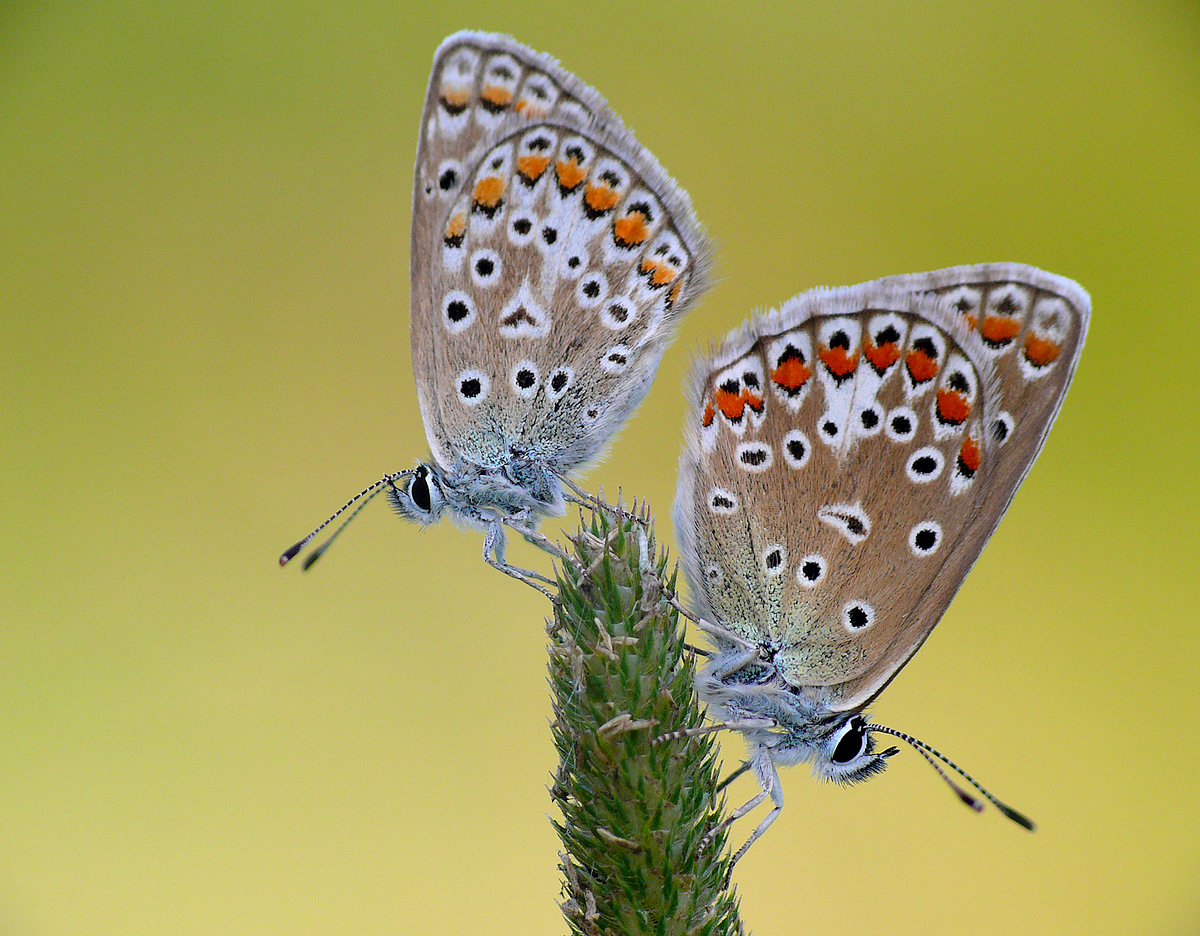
pixel 846 459
pixel 551 260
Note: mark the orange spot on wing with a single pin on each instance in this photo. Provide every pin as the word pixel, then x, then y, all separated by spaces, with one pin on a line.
pixel 1041 352
pixel 531 110
pixel 881 357
pixel 673 295
pixel 972 321
pixel 752 400
pixel 791 374
pixel 489 191
pixel 570 173
pixel 455 99
pixel 999 329
pixel 952 407
pixel 532 167
pixel 496 97
pixel 456 229
pixel 730 404
pixel 660 273
pixel 969 458
pixel 600 198
pixel 921 366
pixel 710 414
pixel 631 229
pixel 839 361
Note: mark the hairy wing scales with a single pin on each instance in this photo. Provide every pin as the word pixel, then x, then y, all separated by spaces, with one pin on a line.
pixel 562 209
pixel 947 397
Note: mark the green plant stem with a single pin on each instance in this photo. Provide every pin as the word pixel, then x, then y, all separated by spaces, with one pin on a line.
pixel 635 808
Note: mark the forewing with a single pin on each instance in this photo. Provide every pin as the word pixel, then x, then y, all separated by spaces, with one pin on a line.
pixel 551 259
pixel 848 457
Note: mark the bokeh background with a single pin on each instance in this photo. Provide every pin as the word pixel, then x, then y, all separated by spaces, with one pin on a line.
pixel 203 282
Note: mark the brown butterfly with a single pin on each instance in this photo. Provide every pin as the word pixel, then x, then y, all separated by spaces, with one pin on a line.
pixel 846 459
pixel 552 259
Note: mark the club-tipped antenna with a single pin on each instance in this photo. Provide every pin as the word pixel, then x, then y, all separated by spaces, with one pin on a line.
pixel 367 493
pixel 929 753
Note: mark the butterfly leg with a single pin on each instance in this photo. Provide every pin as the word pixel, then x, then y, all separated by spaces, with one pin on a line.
pixel 540 540
pixel 733 817
pixel 768 778
pixel 500 545
pixel 742 724
pixel 578 495
pixel 493 555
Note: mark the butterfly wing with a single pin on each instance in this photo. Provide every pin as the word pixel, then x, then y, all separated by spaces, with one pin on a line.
pixel 848 457
pixel 551 259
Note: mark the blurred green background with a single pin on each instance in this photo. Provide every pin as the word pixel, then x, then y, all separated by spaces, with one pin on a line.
pixel 203 281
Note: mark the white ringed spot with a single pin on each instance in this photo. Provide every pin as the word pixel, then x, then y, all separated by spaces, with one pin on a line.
pixel 721 501
pixel 615 359
pixel 925 538
pixel 796 450
pixel 828 428
pixel 618 313
pixel 522 228
pixel 869 420
pixel 525 379
pixel 591 291
pixel 574 263
pixel 458 311
pixel 857 615
pixel 810 571
pixel 472 386
pixel 1002 427
pixel 485 267
pixel 901 424
pixel 559 381
pixel 449 176
pixel 774 560
pixel 754 456
pixel 925 464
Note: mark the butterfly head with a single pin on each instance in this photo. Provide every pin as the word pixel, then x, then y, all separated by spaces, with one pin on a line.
pixel 847 753
pixel 419 495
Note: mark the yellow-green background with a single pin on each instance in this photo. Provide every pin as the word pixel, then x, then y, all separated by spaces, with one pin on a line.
pixel 203 282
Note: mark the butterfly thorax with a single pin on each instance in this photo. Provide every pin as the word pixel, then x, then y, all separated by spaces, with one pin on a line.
pixel 519 487
pixel 478 495
pixel 794 724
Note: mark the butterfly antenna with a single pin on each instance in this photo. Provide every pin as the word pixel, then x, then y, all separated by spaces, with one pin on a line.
pixel 367 493
pixel 929 753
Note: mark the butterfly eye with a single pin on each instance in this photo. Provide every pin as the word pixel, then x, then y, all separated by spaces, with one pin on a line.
pixel 851 743
pixel 418 490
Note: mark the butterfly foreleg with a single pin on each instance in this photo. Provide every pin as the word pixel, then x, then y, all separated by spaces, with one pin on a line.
pixel 741 724
pixel 493 555
pixel 533 537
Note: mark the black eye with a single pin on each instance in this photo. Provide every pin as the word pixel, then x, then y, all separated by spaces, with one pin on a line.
pixel 419 492
pixel 851 744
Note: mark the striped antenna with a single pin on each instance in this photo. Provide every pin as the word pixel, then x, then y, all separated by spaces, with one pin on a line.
pixel 930 753
pixel 367 493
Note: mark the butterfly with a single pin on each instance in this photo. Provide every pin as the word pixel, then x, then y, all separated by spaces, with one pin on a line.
pixel 551 260
pixel 846 459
